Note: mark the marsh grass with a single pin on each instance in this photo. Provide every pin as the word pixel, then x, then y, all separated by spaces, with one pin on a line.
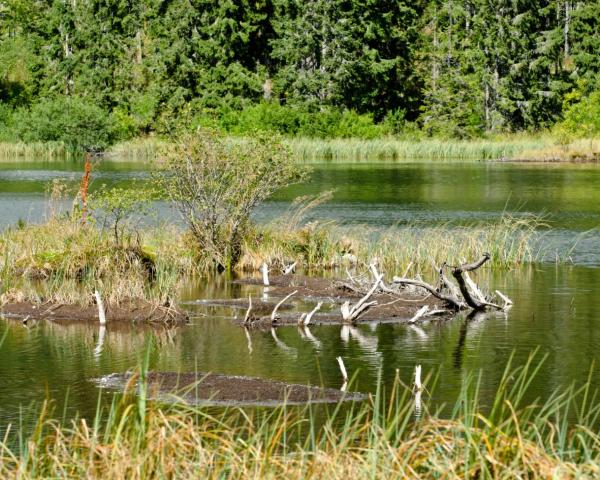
pixel 62 260
pixel 577 150
pixel 504 437
pixel 425 149
pixel 146 149
pixel 19 151
pixel 315 245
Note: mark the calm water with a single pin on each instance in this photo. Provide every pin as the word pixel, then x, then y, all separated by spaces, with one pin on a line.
pixel 556 307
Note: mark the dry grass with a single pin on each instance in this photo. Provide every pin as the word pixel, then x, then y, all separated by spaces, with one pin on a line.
pixel 139 439
pixel 578 150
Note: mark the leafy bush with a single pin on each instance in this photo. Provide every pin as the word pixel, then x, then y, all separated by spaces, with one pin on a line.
pixel 77 123
pixel 296 121
pixel 120 209
pixel 216 183
pixel 582 118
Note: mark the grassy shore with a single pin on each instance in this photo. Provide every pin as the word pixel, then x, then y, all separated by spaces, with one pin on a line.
pixel 383 437
pixel 62 260
pixel 517 147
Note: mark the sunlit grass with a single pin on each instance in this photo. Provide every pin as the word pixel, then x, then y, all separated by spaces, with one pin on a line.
pixel 426 149
pixel 504 437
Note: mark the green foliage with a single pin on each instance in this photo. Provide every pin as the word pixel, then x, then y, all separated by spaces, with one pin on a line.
pixel 216 184
pixel 77 123
pixel 299 121
pixel 120 209
pixel 582 118
pixel 324 68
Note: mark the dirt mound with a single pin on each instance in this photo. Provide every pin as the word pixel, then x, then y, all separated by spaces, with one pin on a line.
pixel 228 389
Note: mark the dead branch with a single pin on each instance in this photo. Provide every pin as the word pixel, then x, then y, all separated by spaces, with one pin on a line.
pixel 350 314
pixel 449 299
pixel 310 314
pixel 274 312
pixel 472 301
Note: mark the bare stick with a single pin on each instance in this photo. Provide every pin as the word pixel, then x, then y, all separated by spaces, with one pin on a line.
pixel 375 272
pixel 418 384
pixel 101 313
pixel 507 301
pixel 342 369
pixel 352 313
pixel 265 273
pixel 310 314
pixel 290 268
pixel 420 313
pixel 274 312
pixel 247 317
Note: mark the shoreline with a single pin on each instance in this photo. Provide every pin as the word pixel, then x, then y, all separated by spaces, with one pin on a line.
pixel 520 148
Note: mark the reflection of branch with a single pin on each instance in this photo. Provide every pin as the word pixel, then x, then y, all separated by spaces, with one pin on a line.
pixel 306 333
pixel 249 340
pixel 280 344
pixel 100 344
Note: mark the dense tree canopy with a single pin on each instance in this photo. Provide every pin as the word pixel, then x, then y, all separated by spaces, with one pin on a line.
pixel 455 67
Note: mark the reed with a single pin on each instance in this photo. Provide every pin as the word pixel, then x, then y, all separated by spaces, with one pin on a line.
pixel 310 150
pixel 509 240
pixel 146 149
pixel 19 151
pixel 137 438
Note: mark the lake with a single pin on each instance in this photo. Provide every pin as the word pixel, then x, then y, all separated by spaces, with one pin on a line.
pixel 555 305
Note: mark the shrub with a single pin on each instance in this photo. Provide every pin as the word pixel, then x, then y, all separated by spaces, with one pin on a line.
pixel 79 124
pixel 582 118
pixel 216 183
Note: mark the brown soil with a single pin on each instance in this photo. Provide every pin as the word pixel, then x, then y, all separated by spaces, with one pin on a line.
pixel 229 389
pixel 397 307
pixel 133 311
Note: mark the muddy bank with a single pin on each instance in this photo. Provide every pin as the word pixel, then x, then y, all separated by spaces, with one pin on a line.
pixel 220 389
pixel 132 312
pixel 399 306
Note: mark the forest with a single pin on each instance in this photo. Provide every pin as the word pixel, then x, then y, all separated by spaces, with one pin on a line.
pixel 94 72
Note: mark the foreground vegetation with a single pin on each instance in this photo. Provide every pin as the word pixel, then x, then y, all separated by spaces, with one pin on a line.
pixel 501 437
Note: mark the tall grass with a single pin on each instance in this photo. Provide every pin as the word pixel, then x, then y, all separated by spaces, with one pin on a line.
pixel 19 151
pixel 426 149
pixel 62 260
pixel 380 438
pixel 509 240
pixel 313 149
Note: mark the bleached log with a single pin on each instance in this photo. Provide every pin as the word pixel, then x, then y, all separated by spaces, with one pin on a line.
pixel 458 272
pixel 477 293
pixel 376 275
pixel 265 274
pixel 420 313
pixel 310 314
pixel 101 312
pixel 452 301
pixel 274 312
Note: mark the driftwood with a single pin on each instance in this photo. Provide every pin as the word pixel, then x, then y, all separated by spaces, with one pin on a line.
pixel 351 313
pixel 466 295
